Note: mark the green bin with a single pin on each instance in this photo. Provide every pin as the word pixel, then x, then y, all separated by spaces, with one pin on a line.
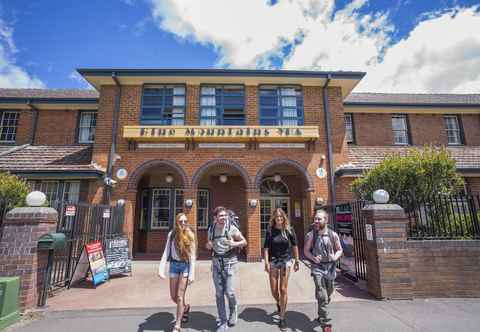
pixel 9 292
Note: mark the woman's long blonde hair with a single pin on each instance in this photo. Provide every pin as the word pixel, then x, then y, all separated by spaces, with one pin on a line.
pixel 184 239
pixel 286 221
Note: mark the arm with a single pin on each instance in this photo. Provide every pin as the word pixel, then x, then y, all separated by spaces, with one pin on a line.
pixel 238 240
pixel 266 258
pixel 163 262
pixel 338 248
pixel 193 259
pixel 307 247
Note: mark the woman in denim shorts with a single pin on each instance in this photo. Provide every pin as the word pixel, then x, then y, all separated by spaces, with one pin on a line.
pixel 180 253
pixel 279 247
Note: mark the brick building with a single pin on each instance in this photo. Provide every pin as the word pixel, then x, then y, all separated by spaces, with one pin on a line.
pixel 251 140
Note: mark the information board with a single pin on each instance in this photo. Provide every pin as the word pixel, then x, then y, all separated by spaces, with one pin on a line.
pixel 117 256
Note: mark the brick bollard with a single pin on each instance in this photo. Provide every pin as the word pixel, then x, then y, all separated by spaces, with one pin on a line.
pixel 21 229
pixel 387 253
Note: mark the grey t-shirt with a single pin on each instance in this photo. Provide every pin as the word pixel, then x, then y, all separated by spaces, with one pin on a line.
pixel 220 235
pixel 324 246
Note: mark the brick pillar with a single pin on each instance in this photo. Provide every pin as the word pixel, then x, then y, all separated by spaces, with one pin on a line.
pixel 387 252
pixel 22 227
pixel 253 236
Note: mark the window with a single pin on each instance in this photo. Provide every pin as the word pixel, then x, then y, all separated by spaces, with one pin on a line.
pixel 86 127
pixel 400 129
pixel 281 106
pixel 454 132
pixel 202 208
pixel 8 126
pixel 349 133
pixel 178 202
pixel 222 105
pixel 69 191
pixel 160 208
pixel 163 105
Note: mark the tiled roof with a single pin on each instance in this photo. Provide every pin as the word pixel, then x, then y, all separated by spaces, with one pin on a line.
pixel 413 99
pixel 49 93
pixel 48 158
pixel 365 157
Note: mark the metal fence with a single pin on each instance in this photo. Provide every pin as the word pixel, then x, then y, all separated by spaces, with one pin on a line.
pixel 359 239
pixel 442 216
pixel 81 223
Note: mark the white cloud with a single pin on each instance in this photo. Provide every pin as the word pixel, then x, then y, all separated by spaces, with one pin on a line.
pixel 441 54
pixel 81 82
pixel 11 75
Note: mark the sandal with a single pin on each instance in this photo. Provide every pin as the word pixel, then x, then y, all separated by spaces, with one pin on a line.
pixel 177 329
pixel 186 313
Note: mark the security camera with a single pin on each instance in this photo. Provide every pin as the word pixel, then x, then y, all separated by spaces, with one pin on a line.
pixel 109 181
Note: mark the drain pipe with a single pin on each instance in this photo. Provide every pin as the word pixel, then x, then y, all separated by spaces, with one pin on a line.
pixel 113 147
pixel 328 129
pixel 33 134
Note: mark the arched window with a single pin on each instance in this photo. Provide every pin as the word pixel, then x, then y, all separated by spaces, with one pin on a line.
pixel 270 187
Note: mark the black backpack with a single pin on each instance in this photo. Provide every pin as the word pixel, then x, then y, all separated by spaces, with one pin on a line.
pixel 232 219
pixel 316 238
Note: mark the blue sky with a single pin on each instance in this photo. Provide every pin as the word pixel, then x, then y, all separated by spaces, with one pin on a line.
pixel 397 42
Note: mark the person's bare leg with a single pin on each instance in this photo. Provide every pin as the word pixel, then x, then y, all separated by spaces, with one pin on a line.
pixel 180 296
pixel 173 289
pixel 283 291
pixel 274 283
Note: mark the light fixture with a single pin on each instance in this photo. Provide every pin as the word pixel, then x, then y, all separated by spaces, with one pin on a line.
pixel 188 203
pixel 253 203
pixel 121 202
pixel 277 177
pixel 169 178
pixel 223 178
pixel 36 198
pixel 381 196
pixel 319 201
pixel 122 174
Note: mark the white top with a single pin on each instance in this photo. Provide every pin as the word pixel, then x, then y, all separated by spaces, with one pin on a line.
pixel 162 268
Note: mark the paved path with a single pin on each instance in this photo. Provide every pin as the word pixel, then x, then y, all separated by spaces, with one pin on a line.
pixel 144 289
pixel 358 316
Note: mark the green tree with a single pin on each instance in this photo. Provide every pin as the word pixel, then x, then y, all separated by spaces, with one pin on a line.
pixel 419 174
pixel 13 191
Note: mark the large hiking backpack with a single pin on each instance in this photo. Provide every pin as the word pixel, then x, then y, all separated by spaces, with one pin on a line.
pixel 232 219
pixel 317 238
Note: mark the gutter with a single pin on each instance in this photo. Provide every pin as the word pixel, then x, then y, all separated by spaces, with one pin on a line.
pixel 328 129
pixel 111 157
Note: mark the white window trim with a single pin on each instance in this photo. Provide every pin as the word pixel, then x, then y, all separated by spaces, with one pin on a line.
pixel 458 129
pixel 82 113
pixel 169 208
pixel 350 116
pixel 207 214
pixel 404 118
pixel 17 114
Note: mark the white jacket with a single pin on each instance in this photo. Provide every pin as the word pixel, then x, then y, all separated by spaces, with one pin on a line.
pixel 162 268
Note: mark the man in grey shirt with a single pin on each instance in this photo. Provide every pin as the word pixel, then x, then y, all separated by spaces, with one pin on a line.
pixel 223 239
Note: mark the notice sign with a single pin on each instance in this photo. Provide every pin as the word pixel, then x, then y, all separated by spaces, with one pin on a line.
pixel 70 210
pixel 106 213
pixel 369 232
pixel 98 266
pixel 117 256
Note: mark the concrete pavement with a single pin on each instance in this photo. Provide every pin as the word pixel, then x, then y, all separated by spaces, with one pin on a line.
pixel 435 315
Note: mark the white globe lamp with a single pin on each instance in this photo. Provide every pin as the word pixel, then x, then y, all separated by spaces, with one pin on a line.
pixel 169 178
pixel 277 177
pixel 36 198
pixel 381 196
pixel 223 178
pixel 122 174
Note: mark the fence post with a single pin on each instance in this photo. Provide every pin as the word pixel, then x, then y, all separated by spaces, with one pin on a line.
pixel 387 252
pixel 19 255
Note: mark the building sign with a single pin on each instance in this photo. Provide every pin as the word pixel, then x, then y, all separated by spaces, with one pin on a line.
pixel 221 133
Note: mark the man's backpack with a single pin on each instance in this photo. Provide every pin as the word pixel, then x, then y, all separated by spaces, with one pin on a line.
pixel 231 220
pixel 316 238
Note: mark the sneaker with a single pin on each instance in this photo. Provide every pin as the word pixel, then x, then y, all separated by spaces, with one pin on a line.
pixel 282 324
pixel 327 328
pixel 222 327
pixel 232 320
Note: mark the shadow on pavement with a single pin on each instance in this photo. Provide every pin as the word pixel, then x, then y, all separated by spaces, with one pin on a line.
pixel 299 322
pixel 349 290
pixel 257 315
pixel 161 321
pixel 200 321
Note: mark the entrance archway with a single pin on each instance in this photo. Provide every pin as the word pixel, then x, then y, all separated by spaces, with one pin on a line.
pixel 273 194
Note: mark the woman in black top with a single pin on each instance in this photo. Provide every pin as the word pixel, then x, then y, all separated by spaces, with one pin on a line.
pixel 279 247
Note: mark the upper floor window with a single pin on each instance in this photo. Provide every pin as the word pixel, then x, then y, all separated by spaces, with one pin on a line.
pixel 349 131
pixel 281 106
pixel 163 105
pixel 400 129
pixel 222 105
pixel 86 127
pixel 454 131
pixel 8 126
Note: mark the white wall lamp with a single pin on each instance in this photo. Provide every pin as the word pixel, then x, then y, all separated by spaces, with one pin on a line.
pixel 223 178
pixel 253 203
pixel 169 178
pixel 277 177
pixel 188 203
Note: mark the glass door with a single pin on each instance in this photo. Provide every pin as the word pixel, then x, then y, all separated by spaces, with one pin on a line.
pixel 161 207
pixel 267 206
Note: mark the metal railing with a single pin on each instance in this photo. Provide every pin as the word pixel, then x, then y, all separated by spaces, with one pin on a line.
pixel 442 216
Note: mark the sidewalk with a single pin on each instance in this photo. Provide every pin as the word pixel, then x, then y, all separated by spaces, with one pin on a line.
pixel 435 315
pixel 144 289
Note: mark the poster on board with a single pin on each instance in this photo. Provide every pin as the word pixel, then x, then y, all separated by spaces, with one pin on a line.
pixel 92 259
pixel 117 256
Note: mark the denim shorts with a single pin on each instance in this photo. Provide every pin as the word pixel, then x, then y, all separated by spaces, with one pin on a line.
pixel 179 268
pixel 281 263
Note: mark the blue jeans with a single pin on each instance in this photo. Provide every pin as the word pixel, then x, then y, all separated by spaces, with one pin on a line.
pixel 224 280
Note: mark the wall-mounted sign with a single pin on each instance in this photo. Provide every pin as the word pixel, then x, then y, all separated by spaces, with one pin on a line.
pixel 221 133
pixel 122 174
pixel 321 173
pixel 70 210
pixel 369 232
pixel 106 213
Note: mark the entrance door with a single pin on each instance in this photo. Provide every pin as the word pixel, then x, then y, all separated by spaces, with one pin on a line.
pixel 275 195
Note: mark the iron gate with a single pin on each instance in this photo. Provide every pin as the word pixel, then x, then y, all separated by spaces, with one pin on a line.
pixel 81 223
pixel 359 240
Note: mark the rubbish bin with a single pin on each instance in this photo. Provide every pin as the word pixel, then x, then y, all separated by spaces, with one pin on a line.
pixel 9 292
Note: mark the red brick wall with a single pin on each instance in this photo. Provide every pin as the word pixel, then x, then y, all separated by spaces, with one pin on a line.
pixel 473 184
pixel 25 127
pixel 344 195
pixel 471 125
pixel 427 129
pixel 56 127
pixel 373 129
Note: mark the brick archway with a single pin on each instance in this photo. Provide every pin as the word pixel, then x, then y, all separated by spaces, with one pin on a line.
pixel 284 161
pixel 221 162
pixel 138 173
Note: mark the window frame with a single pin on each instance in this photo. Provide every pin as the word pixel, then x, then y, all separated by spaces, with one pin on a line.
pixel 17 120
pixel 161 122
pixel 220 118
pixel 160 228
pixel 301 110
pixel 352 120
pixel 78 129
pixel 461 135
pixel 407 128
pixel 206 209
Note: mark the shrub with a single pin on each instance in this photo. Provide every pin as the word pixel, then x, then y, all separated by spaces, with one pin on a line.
pixel 13 191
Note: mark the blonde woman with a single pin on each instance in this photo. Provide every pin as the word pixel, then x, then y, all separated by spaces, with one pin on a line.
pixel 279 248
pixel 180 253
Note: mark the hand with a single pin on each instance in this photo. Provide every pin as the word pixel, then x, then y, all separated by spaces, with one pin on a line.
pixel 317 259
pixel 209 245
pixel 267 267
pixel 296 266
pixel 231 243
pixel 190 281
pixel 332 257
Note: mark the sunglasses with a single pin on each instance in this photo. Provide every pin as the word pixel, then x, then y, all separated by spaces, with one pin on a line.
pixel 183 221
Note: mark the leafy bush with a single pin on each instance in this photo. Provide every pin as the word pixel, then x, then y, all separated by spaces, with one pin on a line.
pixel 13 191
pixel 418 174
